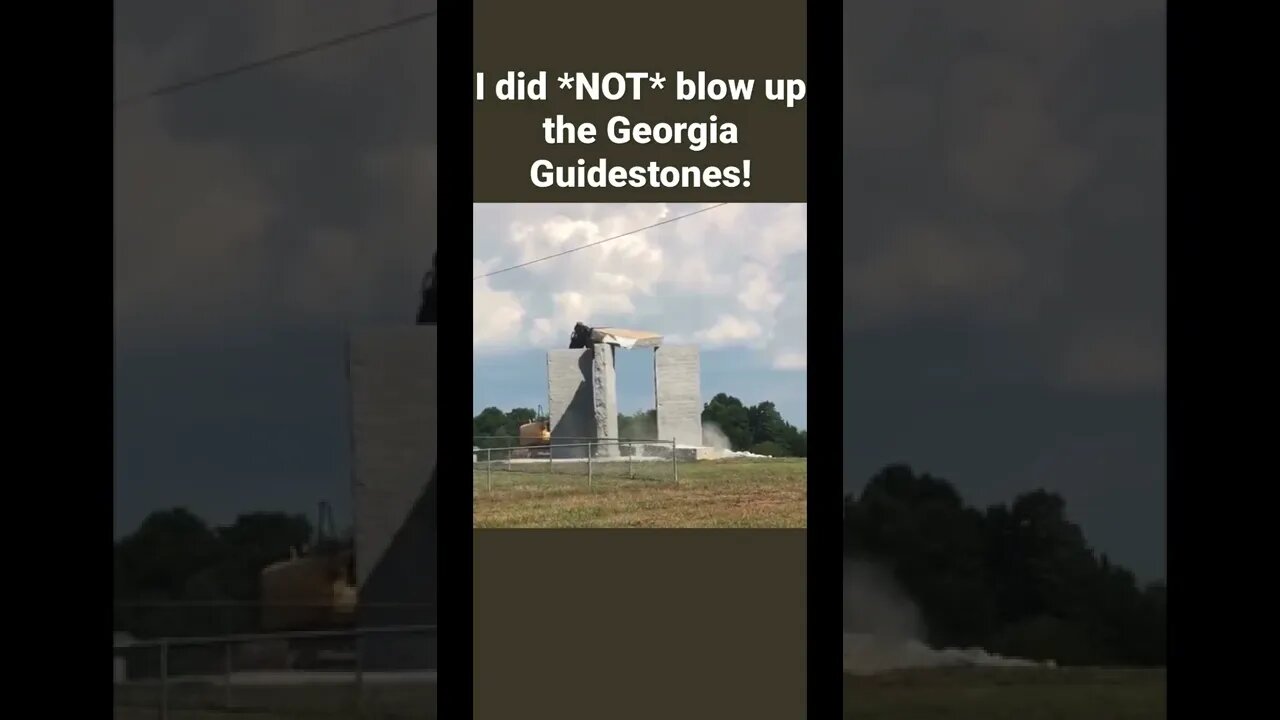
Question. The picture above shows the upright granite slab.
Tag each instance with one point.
(392, 377)
(570, 402)
(604, 380)
(676, 376)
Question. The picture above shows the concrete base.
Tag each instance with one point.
(649, 453)
(702, 453)
(692, 454)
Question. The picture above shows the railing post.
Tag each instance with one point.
(488, 466)
(631, 451)
(226, 667)
(675, 466)
(590, 452)
(164, 679)
(360, 669)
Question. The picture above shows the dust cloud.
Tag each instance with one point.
(884, 630)
(714, 437)
(875, 605)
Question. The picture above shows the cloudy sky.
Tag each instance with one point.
(258, 218)
(1004, 214)
(730, 279)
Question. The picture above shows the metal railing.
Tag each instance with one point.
(160, 618)
(320, 672)
(594, 459)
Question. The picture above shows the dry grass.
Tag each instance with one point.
(1007, 694)
(209, 701)
(721, 493)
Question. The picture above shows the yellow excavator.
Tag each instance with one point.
(535, 437)
(315, 589)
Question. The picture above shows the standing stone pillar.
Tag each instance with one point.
(676, 371)
(392, 377)
(604, 383)
(570, 405)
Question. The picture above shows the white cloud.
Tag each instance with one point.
(220, 226)
(189, 217)
(730, 330)
(497, 317)
(791, 361)
(988, 189)
(1105, 362)
(926, 270)
(732, 276)
(758, 293)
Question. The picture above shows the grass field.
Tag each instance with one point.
(209, 701)
(137, 713)
(140, 713)
(940, 694)
(1007, 694)
(709, 493)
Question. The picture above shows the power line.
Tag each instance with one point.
(600, 242)
(287, 55)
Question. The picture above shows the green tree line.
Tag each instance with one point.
(1018, 578)
(756, 428)
(178, 575)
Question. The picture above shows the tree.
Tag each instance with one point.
(518, 417)
(767, 426)
(800, 443)
(920, 524)
(165, 552)
(765, 423)
(174, 559)
(256, 540)
(728, 414)
(493, 428)
(160, 562)
(489, 429)
(759, 428)
(642, 425)
(1018, 578)
(490, 421)
(771, 448)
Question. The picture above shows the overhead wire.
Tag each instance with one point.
(350, 37)
(273, 59)
(599, 242)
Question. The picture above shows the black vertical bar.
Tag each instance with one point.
(825, 367)
(454, 228)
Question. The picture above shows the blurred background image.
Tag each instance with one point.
(1004, 305)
